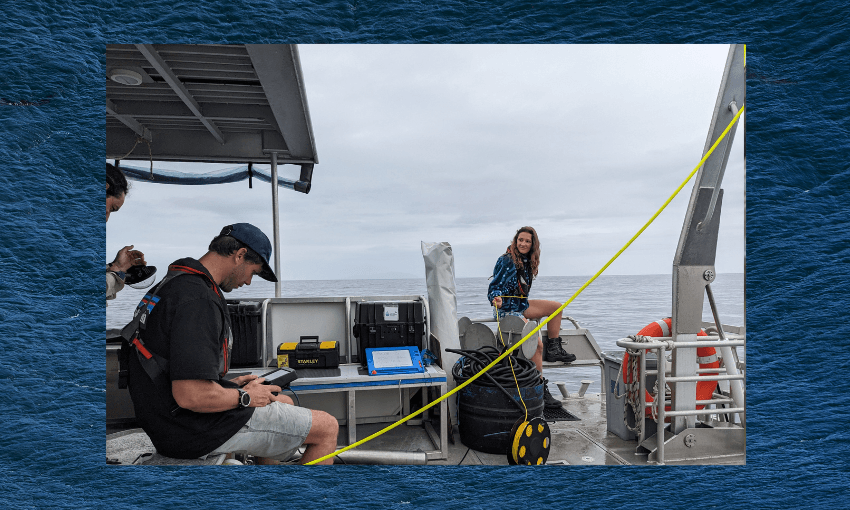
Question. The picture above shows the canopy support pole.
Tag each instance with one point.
(275, 225)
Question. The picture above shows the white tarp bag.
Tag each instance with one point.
(442, 302)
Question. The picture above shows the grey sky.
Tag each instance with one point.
(465, 144)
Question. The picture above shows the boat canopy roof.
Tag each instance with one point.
(208, 104)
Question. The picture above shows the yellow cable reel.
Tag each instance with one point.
(530, 442)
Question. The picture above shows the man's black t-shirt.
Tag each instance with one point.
(185, 327)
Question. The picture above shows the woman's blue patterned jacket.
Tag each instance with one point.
(504, 283)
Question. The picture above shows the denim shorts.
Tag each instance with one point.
(275, 431)
(521, 315)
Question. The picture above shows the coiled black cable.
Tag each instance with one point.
(473, 361)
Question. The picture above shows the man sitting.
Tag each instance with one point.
(182, 400)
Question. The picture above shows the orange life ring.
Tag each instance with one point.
(706, 357)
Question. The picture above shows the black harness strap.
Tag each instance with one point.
(154, 365)
(523, 275)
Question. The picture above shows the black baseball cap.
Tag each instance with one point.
(255, 239)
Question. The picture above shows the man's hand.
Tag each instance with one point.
(497, 301)
(203, 396)
(261, 394)
(242, 380)
(126, 258)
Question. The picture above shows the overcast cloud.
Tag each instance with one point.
(465, 144)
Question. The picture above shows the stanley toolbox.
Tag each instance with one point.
(399, 324)
(308, 353)
(245, 318)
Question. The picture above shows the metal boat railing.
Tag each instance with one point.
(585, 348)
(709, 374)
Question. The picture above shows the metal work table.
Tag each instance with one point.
(352, 379)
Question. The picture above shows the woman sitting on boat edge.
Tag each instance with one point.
(508, 292)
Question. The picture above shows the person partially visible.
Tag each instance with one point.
(508, 292)
(116, 271)
(182, 401)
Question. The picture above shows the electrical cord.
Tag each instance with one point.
(511, 371)
(464, 457)
(505, 346)
(473, 361)
(297, 400)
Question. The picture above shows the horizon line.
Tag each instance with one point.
(468, 277)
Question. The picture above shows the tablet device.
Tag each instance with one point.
(280, 377)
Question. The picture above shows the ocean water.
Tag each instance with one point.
(52, 313)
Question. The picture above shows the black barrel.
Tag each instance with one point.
(486, 415)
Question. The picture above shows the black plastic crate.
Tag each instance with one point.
(245, 319)
(378, 324)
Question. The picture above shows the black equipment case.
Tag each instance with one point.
(247, 339)
(378, 324)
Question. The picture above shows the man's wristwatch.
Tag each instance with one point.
(244, 399)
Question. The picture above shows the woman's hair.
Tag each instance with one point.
(118, 184)
(533, 254)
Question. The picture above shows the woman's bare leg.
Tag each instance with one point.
(540, 308)
(537, 359)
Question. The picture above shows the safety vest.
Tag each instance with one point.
(153, 364)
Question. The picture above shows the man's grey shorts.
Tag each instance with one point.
(275, 431)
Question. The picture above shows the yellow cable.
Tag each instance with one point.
(556, 312)
(499, 329)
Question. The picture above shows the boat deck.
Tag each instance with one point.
(585, 442)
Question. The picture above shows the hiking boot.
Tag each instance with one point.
(552, 351)
(549, 402)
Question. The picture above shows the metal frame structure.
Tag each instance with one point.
(284, 319)
(579, 341)
(241, 103)
(347, 303)
(693, 265)
(696, 442)
(693, 272)
(351, 382)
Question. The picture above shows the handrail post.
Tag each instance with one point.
(730, 360)
(662, 384)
